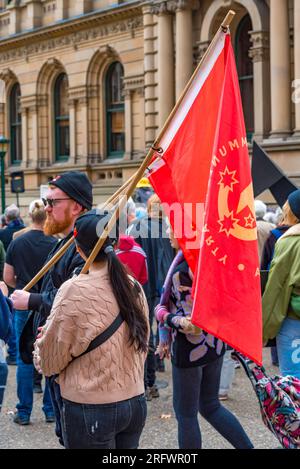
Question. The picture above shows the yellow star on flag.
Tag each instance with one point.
(249, 221)
(228, 178)
(228, 223)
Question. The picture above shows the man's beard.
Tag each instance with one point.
(53, 227)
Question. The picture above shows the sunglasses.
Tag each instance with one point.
(53, 202)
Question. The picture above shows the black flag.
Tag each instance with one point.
(267, 175)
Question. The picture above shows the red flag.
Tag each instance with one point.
(180, 178)
(227, 298)
(205, 161)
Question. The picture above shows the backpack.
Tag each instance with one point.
(279, 399)
(6, 317)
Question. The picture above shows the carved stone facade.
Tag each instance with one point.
(159, 44)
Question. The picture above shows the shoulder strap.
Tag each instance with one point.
(104, 336)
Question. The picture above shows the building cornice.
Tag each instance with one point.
(110, 20)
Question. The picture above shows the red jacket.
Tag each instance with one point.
(133, 256)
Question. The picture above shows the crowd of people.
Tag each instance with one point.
(99, 338)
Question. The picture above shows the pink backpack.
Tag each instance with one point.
(279, 399)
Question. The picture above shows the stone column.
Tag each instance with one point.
(184, 45)
(165, 64)
(85, 128)
(61, 11)
(73, 130)
(35, 135)
(280, 69)
(14, 18)
(297, 67)
(2, 119)
(260, 55)
(149, 68)
(34, 13)
(25, 155)
(83, 6)
(128, 124)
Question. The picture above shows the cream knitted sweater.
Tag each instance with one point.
(84, 307)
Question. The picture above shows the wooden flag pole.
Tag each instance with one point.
(121, 204)
(61, 252)
(49, 264)
(227, 20)
(129, 186)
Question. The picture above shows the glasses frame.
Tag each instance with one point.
(52, 202)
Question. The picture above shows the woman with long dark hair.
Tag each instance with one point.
(103, 390)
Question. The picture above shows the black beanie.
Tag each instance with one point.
(77, 186)
(89, 227)
(294, 203)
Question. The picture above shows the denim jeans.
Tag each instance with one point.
(150, 363)
(196, 390)
(227, 373)
(288, 347)
(3, 373)
(104, 426)
(12, 342)
(274, 355)
(57, 403)
(25, 376)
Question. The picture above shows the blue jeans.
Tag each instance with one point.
(3, 374)
(288, 347)
(104, 426)
(274, 355)
(227, 373)
(25, 376)
(12, 341)
(57, 406)
(150, 363)
(196, 390)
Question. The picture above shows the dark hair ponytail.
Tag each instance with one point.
(127, 294)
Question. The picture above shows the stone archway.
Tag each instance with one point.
(257, 10)
(98, 65)
(259, 52)
(44, 92)
(8, 80)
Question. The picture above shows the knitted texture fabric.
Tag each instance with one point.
(83, 308)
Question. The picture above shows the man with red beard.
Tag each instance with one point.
(69, 195)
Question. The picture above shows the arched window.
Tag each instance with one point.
(115, 122)
(15, 125)
(61, 117)
(245, 72)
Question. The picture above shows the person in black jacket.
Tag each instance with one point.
(69, 195)
(151, 233)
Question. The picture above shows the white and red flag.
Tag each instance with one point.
(204, 181)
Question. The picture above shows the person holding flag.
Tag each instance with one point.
(203, 167)
(68, 196)
(197, 359)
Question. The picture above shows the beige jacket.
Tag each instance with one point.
(84, 307)
(263, 232)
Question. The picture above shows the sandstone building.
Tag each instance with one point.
(87, 84)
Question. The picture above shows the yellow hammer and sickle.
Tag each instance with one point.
(246, 200)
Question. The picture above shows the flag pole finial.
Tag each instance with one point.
(227, 20)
